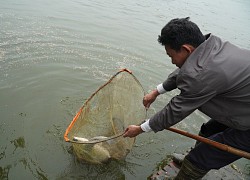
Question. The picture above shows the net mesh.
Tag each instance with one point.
(108, 111)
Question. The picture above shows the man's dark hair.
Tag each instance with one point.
(180, 31)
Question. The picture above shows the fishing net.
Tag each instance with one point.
(96, 130)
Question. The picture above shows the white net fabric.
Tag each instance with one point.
(114, 106)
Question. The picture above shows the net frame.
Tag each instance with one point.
(67, 139)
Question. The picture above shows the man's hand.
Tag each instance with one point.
(132, 131)
(150, 98)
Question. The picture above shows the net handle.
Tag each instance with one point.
(210, 142)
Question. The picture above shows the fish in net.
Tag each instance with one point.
(96, 130)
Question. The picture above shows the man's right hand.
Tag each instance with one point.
(150, 98)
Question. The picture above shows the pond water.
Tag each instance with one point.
(55, 54)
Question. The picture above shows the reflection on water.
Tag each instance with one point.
(18, 143)
(114, 171)
(21, 160)
(4, 171)
(55, 54)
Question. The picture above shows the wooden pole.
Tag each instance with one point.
(212, 143)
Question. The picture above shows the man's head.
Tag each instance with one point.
(180, 37)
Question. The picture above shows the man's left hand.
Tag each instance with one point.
(132, 131)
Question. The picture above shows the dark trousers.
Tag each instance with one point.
(207, 157)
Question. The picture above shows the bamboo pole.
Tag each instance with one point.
(212, 143)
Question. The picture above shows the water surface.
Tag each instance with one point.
(55, 54)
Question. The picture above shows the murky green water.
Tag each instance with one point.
(54, 54)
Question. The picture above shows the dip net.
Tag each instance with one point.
(96, 130)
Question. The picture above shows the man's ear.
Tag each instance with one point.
(187, 47)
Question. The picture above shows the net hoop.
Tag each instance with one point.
(80, 110)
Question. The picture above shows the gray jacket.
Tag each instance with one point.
(214, 79)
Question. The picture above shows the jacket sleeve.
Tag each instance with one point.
(194, 92)
(170, 83)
